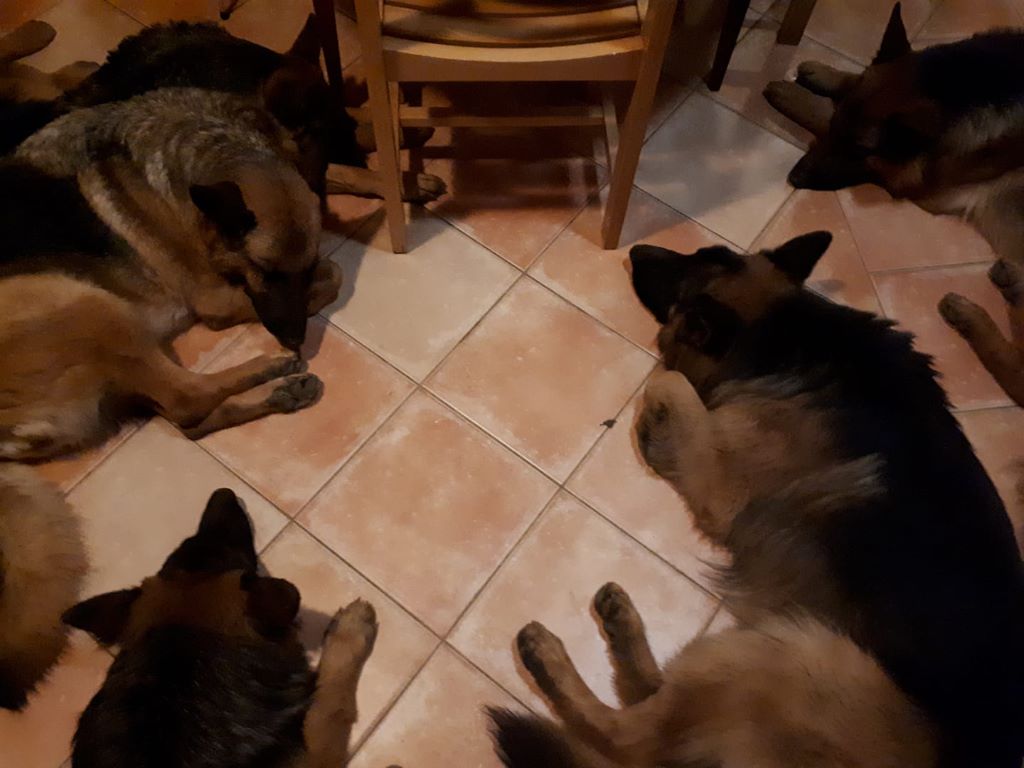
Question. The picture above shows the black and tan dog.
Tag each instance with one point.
(290, 86)
(42, 563)
(785, 693)
(814, 443)
(210, 673)
(175, 207)
(943, 127)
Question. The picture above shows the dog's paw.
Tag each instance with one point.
(351, 635)
(422, 187)
(542, 653)
(785, 95)
(1009, 279)
(818, 78)
(285, 365)
(619, 617)
(959, 312)
(295, 393)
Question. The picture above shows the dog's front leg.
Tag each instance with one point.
(361, 182)
(678, 439)
(348, 643)
(809, 111)
(223, 306)
(637, 676)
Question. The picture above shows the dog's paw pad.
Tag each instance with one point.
(296, 392)
(616, 611)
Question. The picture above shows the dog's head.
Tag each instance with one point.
(261, 228)
(882, 123)
(298, 97)
(209, 582)
(704, 300)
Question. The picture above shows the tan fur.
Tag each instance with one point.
(753, 440)
(786, 693)
(42, 564)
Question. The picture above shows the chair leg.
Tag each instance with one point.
(735, 12)
(385, 130)
(794, 22)
(657, 28)
(327, 29)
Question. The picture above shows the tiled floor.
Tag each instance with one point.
(471, 466)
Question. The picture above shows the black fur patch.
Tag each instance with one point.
(527, 741)
(188, 698)
(982, 71)
(931, 566)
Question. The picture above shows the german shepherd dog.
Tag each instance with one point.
(210, 672)
(786, 693)
(42, 563)
(814, 443)
(943, 127)
(176, 206)
(290, 86)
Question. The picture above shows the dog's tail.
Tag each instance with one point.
(42, 564)
(527, 741)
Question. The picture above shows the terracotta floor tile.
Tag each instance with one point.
(40, 735)
(514, 207)
(67, 472)
(86, 30)
(855, 27)
(327, 584)
(578, 268)
(717, 167)
(896, 234)
(199, 346)
(552, 578)
(16, 12)
(288, 457)
(758, 60)
(157, 11)
(957, 19)
(140, 503)
(276, 24)
(721, 621)
(912, 299)
(345, 215)
(996, 436)
(541, 376)
(439, 721)
(427, 509)
(841, 274)
(413, 308)
(615, 480)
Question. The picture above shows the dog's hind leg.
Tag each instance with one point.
(637, 675)
(1000, 357)
(416, 187)
(679, 440)
(348, 643)
(284, 395)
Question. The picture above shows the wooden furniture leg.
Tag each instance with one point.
(735, 13)
(384, 129)
(327, 29)
(794, 22)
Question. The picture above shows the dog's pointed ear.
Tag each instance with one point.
(656, 273)
(272, 604)
(105, 616)
(797, 257)
(222, 203)
(307, 44)
(225, 523)
(894, 42)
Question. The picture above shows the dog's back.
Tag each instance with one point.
(927, 570)
(182, 696)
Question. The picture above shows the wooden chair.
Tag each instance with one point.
(790, 33)
(433, 41)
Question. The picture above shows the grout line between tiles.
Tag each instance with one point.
(932, 267)
(121, 11)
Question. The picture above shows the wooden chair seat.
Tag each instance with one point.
(488, 25)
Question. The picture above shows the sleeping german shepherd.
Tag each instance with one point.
(210, 673)
(943, 127)
(814, 443)
(290, 86)
(123, 225)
